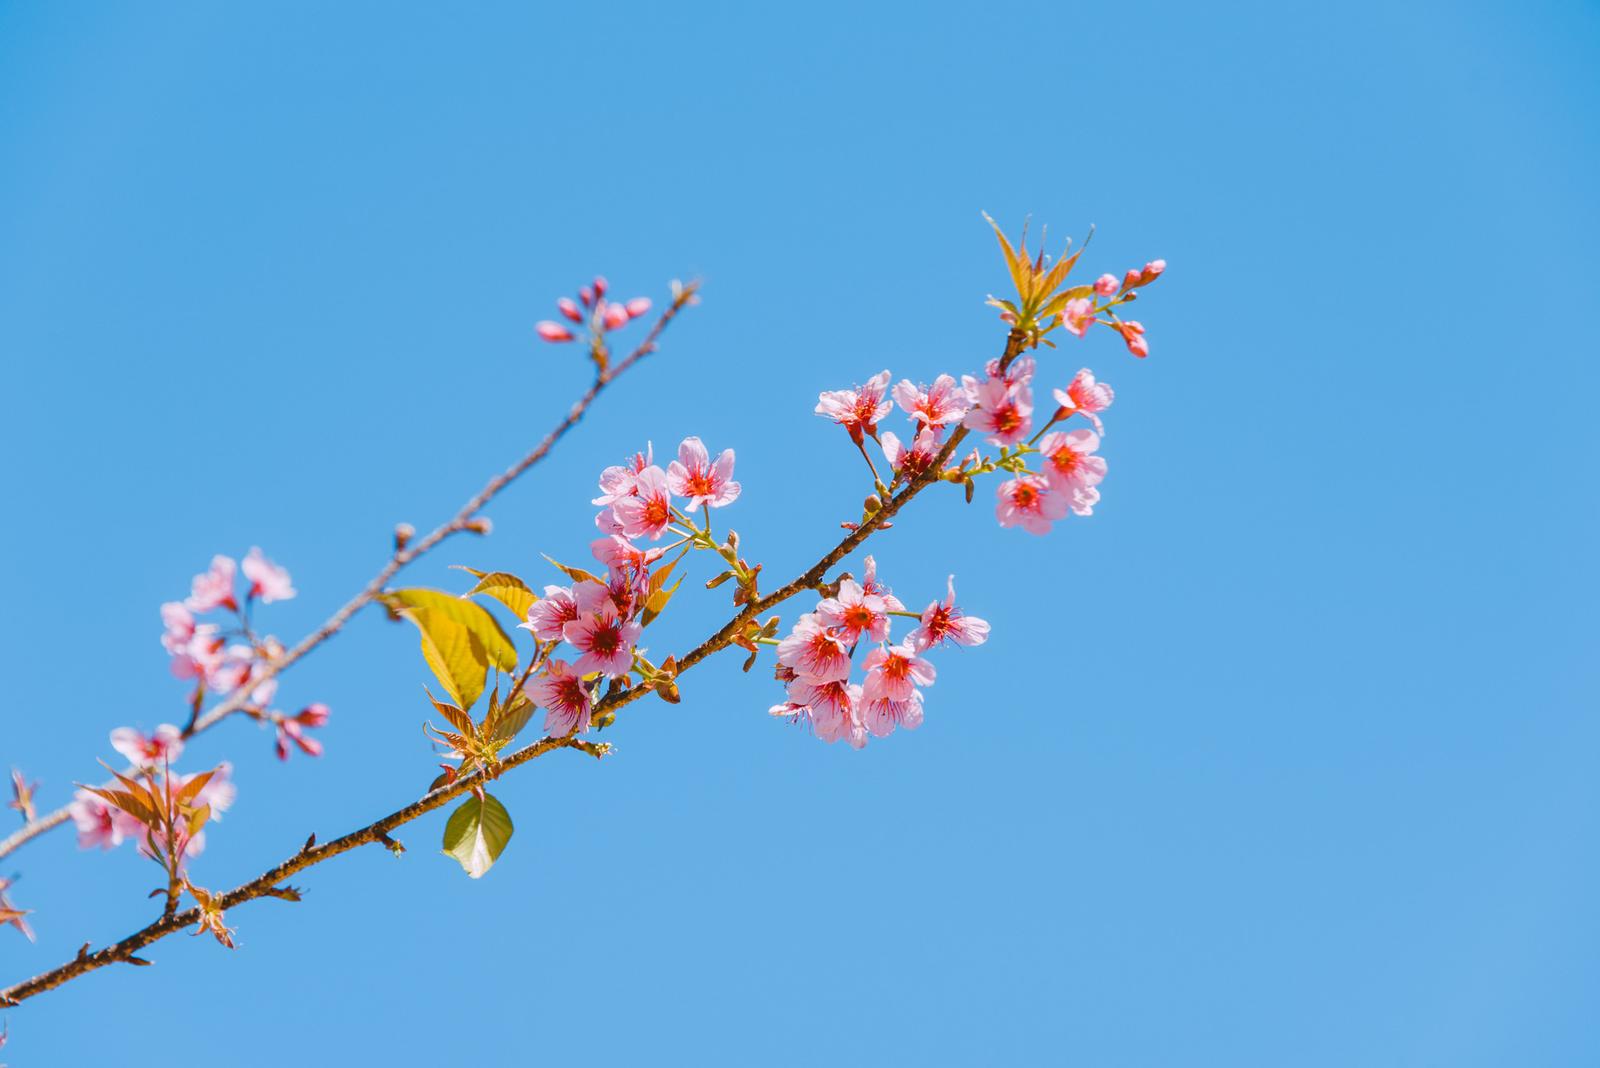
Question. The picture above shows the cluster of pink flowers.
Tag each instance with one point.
(591, 305)
(105, 826)
(223, 657)
(599, 618)
(1081, 313)
(815, 660)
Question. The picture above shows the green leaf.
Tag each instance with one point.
(476, 834)
(506, 588)
(460, 639)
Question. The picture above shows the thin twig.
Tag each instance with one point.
(402, 556)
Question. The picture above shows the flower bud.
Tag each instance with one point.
(480, 525)
(1106, 285)
(403, 533)
(569, 308)
(637, 307)
(553, 331)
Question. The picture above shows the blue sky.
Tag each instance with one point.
(1284, 757)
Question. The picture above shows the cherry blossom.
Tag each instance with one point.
(813, 651)
(648, 513)
(268, 581)
(99, 824)
(834, 708)
(179, 624)
(881, 715)
(854, 613)
(939, 405)
(694, 476)
(944, 621)
(213, 588)
(858, 410)
(1106, 285)
(618, 481)
(870, 584)
(605, 640)
(292, 730)
(548, 616)
(1029, 502)
(1070, 467)
(162, 746)
(915, 460)
(1078, 316)
(1085, 396)
(1001, 410)
(896, 671)
(564, 696)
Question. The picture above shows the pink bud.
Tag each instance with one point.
(569, 307)
(553, 331)
(638, 306)
(615, 315)
(1105, 285)
(1153, 269)
(587, 296)
(314, 715)
(1130, 280)
(600, 285)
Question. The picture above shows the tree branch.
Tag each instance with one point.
(266, 884)
(403, 554)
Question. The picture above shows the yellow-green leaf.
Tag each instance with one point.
(506, 588)
(476, 834)
(460, 640)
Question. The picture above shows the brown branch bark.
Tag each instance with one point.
(266, 884)
(402, 556)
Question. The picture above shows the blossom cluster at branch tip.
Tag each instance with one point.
(103, 825)
(228, 656)
(816, 660)
(592, 307)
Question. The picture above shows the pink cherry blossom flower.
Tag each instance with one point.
(895, 672)
(552, 331)
(881, 715)
(1029, 502)
(870, 584)
(1106, 285)
(213, 588)
(201, 657)
(649, 512)
(694, 476)
(292, 729)
(858, 410)
(1070, 467)
(813, 651)
(618, 551)
(548, 616)
(1132, 332)
(1017, 373)
(604, 639)
(915, 460)
(1078, 316)
(834, 708)
(162, 746)
(618, 482)
(1085, 396)
(96, 822)
(855, 612)
(939, 405)
(944, 621)
(179, 624)
(238, 667)
(1004, 412)
(564, 696)
(268, 581)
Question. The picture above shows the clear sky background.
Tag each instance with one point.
(1286, 756)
